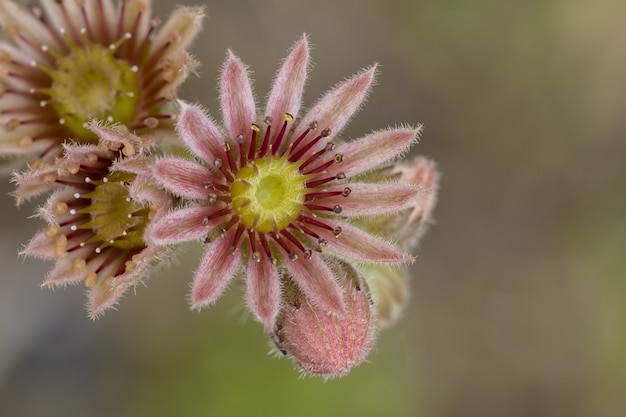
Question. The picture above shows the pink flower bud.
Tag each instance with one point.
(323, 343)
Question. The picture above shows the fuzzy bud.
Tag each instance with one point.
(389, 287)
(322, 343)
(423, 173)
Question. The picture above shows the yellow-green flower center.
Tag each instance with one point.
(90, 82)
(116, 219)
(268, 194)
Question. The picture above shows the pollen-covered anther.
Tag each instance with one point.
(337, 231)
(256, 256)
(52, 230)
(60, 208)
(130, 266)
(25, 142)
(72, 168)
(49, 179)
(338, 158)
(91, 280)
(61, 246)
(325, 133)
(12, 125)
(212, 198)
(79, 265)
(346, 191)
(128, 149)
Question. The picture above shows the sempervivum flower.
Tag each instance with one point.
(70, 61)
(319, 342)
(97, 216)
(269, 194)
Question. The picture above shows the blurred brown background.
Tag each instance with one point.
(518, 303)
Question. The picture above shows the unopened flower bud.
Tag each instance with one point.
(389, 287)
(421, 172)
(323, 343)
(389, 284)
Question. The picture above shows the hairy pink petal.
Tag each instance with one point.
(355, 244)
(184, 178)
(199, 133)
(372, 150)
(238, 106)
(146, 191)
(179, 30)
(119, 134)
(31, 183)
(263, 291)
(216, 270)
(180, 226)
(373, 199)
(286, 94)
(316, 280)
(63, 273)
(137, 166)
(337, 106)
(41, 246)
(103, 296)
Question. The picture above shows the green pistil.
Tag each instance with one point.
(91, 83)
(268, 194)
(116, 219)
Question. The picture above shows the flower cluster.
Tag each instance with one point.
(71, 61)
(96, 218)
(70, 67)
(319, 228)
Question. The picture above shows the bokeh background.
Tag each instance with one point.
(519, 291)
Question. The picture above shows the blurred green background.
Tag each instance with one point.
(518, 303)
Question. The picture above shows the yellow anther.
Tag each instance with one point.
(49, 179)
(12, 124)
(130, 266)
(13, 30)
(35, 162)
(4, 56)
(60, 208)
(129, 149)
(61, 246)
(91, 280)
(52, 230)
(25, 142)
(79, 265)
(73, 167)
(288, 117)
